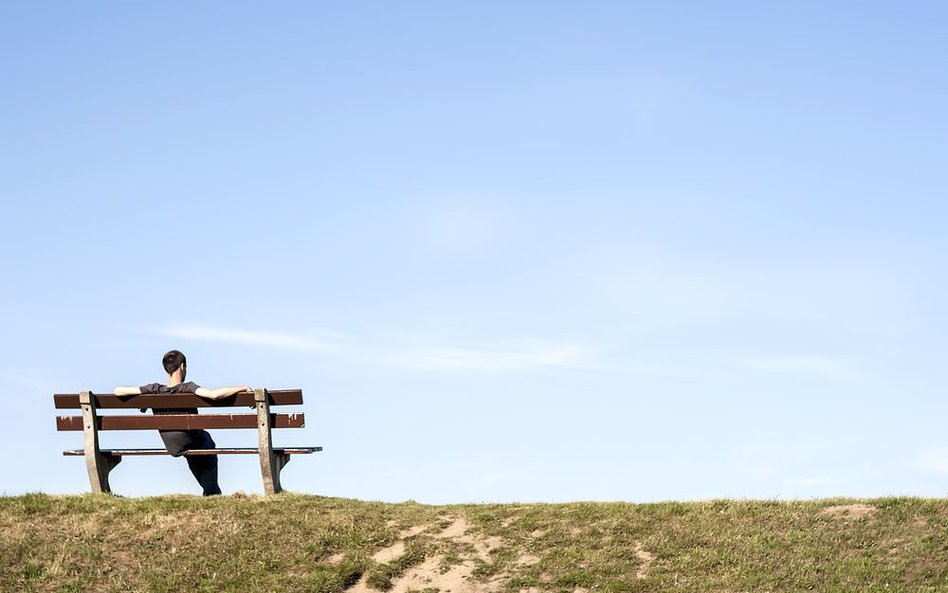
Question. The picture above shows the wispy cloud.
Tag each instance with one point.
(519, 355)
(511, 355)
(287, 341)
(502, 355)
(821, 365)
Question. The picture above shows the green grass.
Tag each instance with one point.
(324, 545)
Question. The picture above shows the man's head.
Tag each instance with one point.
(173, 360)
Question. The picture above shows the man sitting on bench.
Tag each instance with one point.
(204, 467)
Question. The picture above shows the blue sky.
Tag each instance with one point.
(534, 251)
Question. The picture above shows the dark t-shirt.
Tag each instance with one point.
(178, 441)
(156, 388)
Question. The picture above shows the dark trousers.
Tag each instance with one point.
(204, 467)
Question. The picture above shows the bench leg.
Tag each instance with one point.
(270, 463)
(270, 466)
(98, 466)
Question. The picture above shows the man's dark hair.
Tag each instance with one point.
(172, 360)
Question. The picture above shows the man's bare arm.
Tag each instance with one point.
(127, 390)
(221, 392)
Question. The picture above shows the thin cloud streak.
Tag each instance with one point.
(521, 355)
(283, 341)
(800, 364)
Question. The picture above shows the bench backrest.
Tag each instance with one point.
(167, 401)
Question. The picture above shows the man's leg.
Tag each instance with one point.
(204, 467)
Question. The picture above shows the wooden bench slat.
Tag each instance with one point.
(181, 421)
(163, 401)
(221, 451)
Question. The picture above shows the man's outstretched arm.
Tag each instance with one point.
(221, 392)
(127, 390)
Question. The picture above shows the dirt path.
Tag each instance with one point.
(434, 573)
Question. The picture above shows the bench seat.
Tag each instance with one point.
(221, 451)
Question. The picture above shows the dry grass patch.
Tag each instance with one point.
(324, 545)
(854, 511)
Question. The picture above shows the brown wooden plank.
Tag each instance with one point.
(221, 451)
(278, 397)
(180, 421)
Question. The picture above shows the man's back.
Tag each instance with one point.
(156, 388)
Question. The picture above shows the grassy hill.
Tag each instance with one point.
(324, 545)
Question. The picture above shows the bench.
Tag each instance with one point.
(99, 462)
